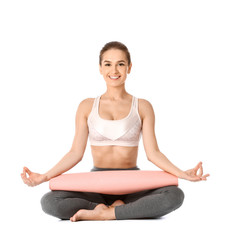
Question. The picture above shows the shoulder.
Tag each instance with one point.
(86, 102)
(85, 106)
(145, 108)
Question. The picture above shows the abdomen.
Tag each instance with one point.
(114, 156)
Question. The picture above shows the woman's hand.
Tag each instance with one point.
(33, 179)
(193, 175)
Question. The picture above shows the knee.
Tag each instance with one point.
(172, 199)
(46, 202)
(175, 197)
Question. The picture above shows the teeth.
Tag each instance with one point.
(114, 77)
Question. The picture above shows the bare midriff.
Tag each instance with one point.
(114, 156)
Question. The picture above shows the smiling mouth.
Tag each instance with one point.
(114, 77)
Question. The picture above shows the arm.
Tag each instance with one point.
(73, 157)
(152, 150)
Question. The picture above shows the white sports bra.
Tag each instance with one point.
(122, 132)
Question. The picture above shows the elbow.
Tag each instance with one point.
(153, 155)
(79, 159)
(77, 155)
(150, 159)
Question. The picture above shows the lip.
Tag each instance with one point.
(114, 78)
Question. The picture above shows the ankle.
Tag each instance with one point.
(109, 213)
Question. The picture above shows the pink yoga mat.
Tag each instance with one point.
(113, 182)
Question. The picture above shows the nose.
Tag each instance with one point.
(114, 69)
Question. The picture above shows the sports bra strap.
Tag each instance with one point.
(95, 104)
(135, 103)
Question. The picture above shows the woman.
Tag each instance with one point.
(114, 123)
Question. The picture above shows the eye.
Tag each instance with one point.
(121, 64)
(107, 64)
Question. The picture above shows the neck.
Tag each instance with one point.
(115, 93)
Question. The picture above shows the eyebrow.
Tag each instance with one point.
(117, 61)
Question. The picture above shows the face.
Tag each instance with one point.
(114, 67)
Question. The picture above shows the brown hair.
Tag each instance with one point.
(114, 45)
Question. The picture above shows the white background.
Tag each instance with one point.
(49, 63)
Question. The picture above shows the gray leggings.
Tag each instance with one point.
(152, 203)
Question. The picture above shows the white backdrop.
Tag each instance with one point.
(49, 63)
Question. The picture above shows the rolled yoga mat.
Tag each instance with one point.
(113, 182)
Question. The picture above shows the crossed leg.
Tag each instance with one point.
(64, 204)
(93, 206)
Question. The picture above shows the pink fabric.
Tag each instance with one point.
(113, 182)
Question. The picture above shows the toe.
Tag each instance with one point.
(74, 218)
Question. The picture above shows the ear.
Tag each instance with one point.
(129, 68)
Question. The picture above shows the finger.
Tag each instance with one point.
(200, 171)
(22, 176)
(27, 170)
(194, 178)
(29, 183)
(197, 166)
(26, 180)
(205, 176)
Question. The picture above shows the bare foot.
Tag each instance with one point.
(117, 203)
(100, 212)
